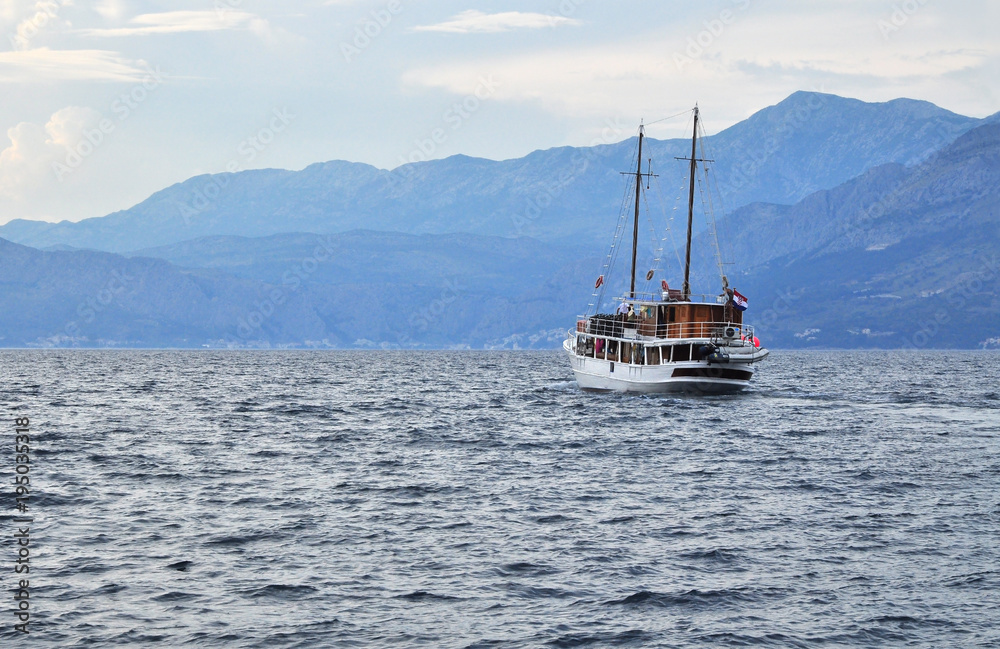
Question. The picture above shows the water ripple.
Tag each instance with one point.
(471, 499)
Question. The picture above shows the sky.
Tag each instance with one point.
(106, 102)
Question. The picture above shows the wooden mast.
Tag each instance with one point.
(694, 169)
(635, 226)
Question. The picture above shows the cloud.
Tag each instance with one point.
(892, 67)
(26, 165)
(473, 21)
(43, 64)
(174, 22)
(765, 56)
(113, 10)
(45, 13)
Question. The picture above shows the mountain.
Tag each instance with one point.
(87, 298)
(898, 257)
(357, 289)
(364, 256)
(780, 154)
(905, 253)
(390, 289)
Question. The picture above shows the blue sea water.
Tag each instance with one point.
(479, 499)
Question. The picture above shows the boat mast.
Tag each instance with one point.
(635, 226)
(694, 169)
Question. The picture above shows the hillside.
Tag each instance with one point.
(359, 289)
(898, 256)
(901, 255)
(781, 154)
(85, 298)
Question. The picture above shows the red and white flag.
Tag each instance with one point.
(739, 301)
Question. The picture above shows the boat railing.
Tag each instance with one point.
(673, 295)
(728, 333)
(633, 347)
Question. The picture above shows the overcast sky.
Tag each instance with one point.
(108, 101)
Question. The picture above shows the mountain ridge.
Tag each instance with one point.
(357, 289)
(924, 241)
(896, 256)
(780, 154)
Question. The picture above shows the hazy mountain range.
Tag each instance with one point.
(899, 256)
(854, 224)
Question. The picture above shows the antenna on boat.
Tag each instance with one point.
(694, 169)
(638, 189)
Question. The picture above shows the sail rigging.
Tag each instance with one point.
(667, 339)
(638, 199)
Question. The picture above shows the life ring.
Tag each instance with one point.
(600, 280)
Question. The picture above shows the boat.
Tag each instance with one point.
(665, 339)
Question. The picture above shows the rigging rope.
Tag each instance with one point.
(663, 119)
(709, 208)
(705, 181)
(612, 257)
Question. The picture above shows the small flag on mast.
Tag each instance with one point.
(739, 301)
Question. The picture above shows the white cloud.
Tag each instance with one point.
(113, 10)
(173, 22)
(847, 45)
(476, 21)
(558, 86)
(897, 66)
(765, 56)
(43, 64)
(42, 15)
(26, 165)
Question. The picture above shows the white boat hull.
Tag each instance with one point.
(609, 376)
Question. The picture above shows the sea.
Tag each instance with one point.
(480, 499)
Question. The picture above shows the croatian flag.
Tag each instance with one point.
(739, 301)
